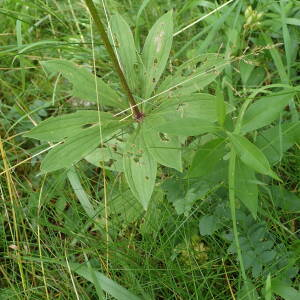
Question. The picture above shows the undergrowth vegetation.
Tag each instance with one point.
(150, 149)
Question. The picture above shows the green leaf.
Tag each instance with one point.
(285, 200)
(207, 158)
(268, 288)
(56, 128)
(138, 22)
(184, 197)
(84, 83)
(185, 126)
(246, 187)
(108, 285)
(106, 158)
(208, 225)
(248, 291)
(277, 58)
(251, 156)
(200, 106)
(164, 148)
(245, 70)
(221, 107)
(293, 21)
(76, 147)
(123, 208)
(156, 52)
(265, 111)
(82, 196)
(203, 69)
(284, 290)
(276, 140)
(126, 49)
(110, 156)
(140, 168)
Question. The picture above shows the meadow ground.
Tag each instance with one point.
(80, 233)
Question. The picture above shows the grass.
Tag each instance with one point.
(158, 254)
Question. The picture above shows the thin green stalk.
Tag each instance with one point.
(231, 187)
(99, 25)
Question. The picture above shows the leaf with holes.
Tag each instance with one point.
(181, 126)
(251, 156)
(164, 148)
(201, 106)
(140, 168)
(106, 158)
(125, 48)
(57, 128)
(156, 52)
(194, 75)
(77, 147)
(84, 83)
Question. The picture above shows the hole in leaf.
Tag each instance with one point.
(135, 67)
(110, 162)
(87, 126)
(181, 107)
(147, 178)
(164, 137)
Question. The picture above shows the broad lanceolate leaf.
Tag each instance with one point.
(164, 148)
(108, 285)
(110, 156)
(184, 126)
(207, 158)
(126, 49)
(276, 140)
(56, 128)
(246, 187)
(251, 156)
(156, 52)
(140, 168)
(284, 289)
(185, 116)
(194, 75)
(201, 106)
(106, 158)
(266, 110)
(77, 146)
(123, 208)
(84, 83)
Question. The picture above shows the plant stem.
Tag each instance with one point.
(231, 187)
(99, 25)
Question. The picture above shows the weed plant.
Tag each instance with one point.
(150, 149)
